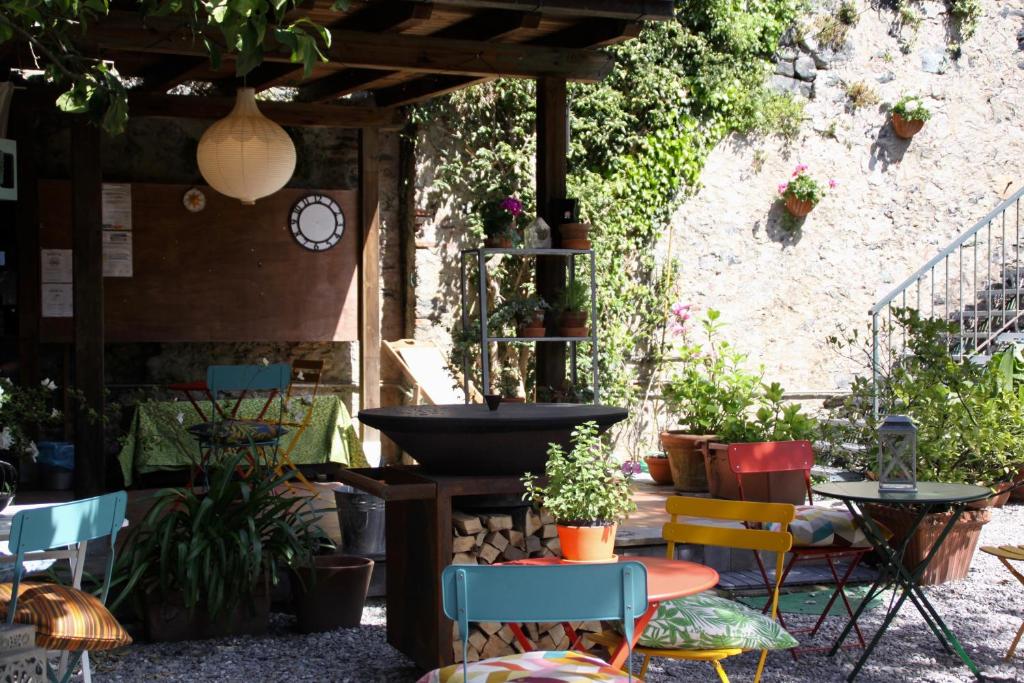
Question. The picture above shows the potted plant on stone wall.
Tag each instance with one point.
(964, 434)
(572, 318)
(501, 222)
(708, 384)
(909, 115)
(587, 491)
(801, 193)
(200, 563)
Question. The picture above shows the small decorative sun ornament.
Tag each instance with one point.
(194, 200)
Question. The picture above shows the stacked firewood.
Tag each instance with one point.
(489, 538)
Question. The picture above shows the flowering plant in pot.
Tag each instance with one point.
(909, 115)
(24, 410)
(501, 221)
(572, 319)
(587, 491)
(708, 385)
(801, 193)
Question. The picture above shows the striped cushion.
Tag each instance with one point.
(65, 618)
(531, 666)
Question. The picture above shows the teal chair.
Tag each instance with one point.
(65, 618)
(553, 593)
(229, 432)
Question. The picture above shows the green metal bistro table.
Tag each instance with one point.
(929, 497)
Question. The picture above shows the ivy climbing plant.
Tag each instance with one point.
(639, 141)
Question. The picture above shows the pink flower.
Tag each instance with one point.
(832, 183)
(783, 187)
(679, 308)
(512, 205)
(800, 168)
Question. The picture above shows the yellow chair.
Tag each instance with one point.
(305, 377)
(1005, 553)
(693, 532)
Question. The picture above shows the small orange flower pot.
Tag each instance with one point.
(587, 543)
(659, 469)
(797, 207)
(905, 128)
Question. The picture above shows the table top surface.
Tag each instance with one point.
(666, 579)
(518, 415)
(927, 493)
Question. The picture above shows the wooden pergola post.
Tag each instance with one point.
(87, 260)
(369, 274)
(552, 160)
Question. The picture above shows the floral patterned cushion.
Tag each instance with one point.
(530, 666)
(708, 622)
(235, 432)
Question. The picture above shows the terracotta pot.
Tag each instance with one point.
(905, 128)
(999, 498)
(513, 399)
(575, 235)
(587, 543)
(534, 327)
(953, 559)
(498, 242)
(686, 460)
(573, 324)
(777, 487)
(659, 469)
(334, 597)
(798, 208)
(1018, 493)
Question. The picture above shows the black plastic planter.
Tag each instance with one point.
(334, 597)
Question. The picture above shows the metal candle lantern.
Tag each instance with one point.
(897, 454)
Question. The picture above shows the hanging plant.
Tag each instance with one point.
(802, 193)
(909, 115)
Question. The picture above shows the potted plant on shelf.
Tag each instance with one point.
(659, 468)
(802, 192)
(909, 115)
(200, 563)
(587, 491)
(708, 385)
(964, 436)
(510, 386)
(572, 320)
(575, 235)
(529, 314)
(501, 222)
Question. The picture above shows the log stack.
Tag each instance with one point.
(493, 537)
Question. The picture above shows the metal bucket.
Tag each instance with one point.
(361, 518)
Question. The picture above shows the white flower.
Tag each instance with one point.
(264, 362)
(54, 414)
(6, 438)
(299, 376)
(32, 451)
(180, 417)
(48, 384)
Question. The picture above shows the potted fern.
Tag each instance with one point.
(572, 321)
(587, 491)
(909, 115)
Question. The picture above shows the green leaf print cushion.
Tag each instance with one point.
(708, 622)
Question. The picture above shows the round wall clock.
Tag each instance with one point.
(317, 222)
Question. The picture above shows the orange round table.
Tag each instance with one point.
(666, 580)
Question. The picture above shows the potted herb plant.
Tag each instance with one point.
(587, 491)
(964, 435)
(200, 563)
(501, 222)
(575, 235)
(572, 320)
(909, 115)
(802, 192)
(708, 385)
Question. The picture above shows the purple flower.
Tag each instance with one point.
(631, 467)
(783, 187)
(832, 183)
(512, 205)
(679, 309)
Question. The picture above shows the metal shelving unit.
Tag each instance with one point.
(480, 256)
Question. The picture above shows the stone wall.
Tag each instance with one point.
(784, 287)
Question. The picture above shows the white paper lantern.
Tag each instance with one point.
(246, 155)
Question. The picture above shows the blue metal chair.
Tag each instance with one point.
(226, 432)
(60, 526)
(524, 593)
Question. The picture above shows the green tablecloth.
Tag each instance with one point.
(158, 438)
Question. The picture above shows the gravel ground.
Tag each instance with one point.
(984, 611)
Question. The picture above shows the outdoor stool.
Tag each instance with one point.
(1005, 553)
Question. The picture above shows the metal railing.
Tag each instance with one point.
(974, 282)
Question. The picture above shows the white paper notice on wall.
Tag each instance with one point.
(117, 253)
(117, 206)
(56, 265)
(57, 301)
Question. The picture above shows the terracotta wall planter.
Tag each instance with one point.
(953, 559)
(797, 207)
(334, 597)
(906, 128)
(587, 543)
(779, 487)
(686, 460)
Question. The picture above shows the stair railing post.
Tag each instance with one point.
(875, 355)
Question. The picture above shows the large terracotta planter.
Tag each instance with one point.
(905, 128)
(777, 487)
(575, 235)
(953, 559)
(587, 543)
(686, 460)
(659, 469)
(334, 597)
(798, 208)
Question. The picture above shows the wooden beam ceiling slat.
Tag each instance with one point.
(634, 10)
(169, 72)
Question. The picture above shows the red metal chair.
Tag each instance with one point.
(797, 456)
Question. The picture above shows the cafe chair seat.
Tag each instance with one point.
(530, 666)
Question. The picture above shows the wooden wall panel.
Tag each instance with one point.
(228, 273)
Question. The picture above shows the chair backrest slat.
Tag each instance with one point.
(55, 526)
(771, 456)
(734, 510)
(747, 539)
(273, 377)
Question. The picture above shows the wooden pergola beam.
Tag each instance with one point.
(635, 10)
(284, 113)
(169, 72)
(423, 54)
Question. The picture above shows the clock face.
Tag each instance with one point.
(317, 222)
